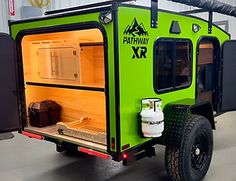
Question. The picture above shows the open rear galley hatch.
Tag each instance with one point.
(66, 69)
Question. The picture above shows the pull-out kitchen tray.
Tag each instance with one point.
(85, 129)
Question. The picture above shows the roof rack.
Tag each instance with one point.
(94, 5)
(210, 5)
(204, 5)
(210, 17)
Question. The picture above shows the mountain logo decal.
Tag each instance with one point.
(137, 38)
(135, 29)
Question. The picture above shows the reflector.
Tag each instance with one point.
(105, 17)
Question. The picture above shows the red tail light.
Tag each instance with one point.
(113, 142)
(124, 156)
(94, 153)
(31, 135)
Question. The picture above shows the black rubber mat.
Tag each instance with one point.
(5, 136)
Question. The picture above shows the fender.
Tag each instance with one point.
(176, 114)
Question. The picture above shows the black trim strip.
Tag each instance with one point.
(117, 79)
(66, 86)
(59, 28)
(93, 5)
(107, 93)
(91, 44)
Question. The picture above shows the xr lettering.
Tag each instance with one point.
(139, 52)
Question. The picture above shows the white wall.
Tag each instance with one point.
(4, 16)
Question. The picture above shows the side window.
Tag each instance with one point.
(183, 63)
(172, 61)
(164, 65)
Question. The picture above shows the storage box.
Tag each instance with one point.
(44, 113)
(54, 110)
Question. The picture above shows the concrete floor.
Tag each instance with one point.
(24, 159)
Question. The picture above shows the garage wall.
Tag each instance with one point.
(4, 16)
(57, 4)
(163, 4)
(223, 19)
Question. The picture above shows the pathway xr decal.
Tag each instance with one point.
(139, 52)
(136, 35)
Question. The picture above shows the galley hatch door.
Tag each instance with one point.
(9, 112)
(228, 86)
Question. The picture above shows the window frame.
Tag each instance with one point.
(155, 67)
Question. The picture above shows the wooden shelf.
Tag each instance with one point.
(92, 44)
(95, 88)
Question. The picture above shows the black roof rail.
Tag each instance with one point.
(94, 5)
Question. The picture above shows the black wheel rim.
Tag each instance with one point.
(200, 151)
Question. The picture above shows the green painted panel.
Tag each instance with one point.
(136, 74)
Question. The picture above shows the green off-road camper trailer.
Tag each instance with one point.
(113, 79)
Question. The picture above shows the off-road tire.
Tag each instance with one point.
(188, 162)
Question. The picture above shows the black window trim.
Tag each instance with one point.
(173, 88)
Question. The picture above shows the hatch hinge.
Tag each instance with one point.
(154, 13)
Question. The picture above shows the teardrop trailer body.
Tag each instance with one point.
(115, 71)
